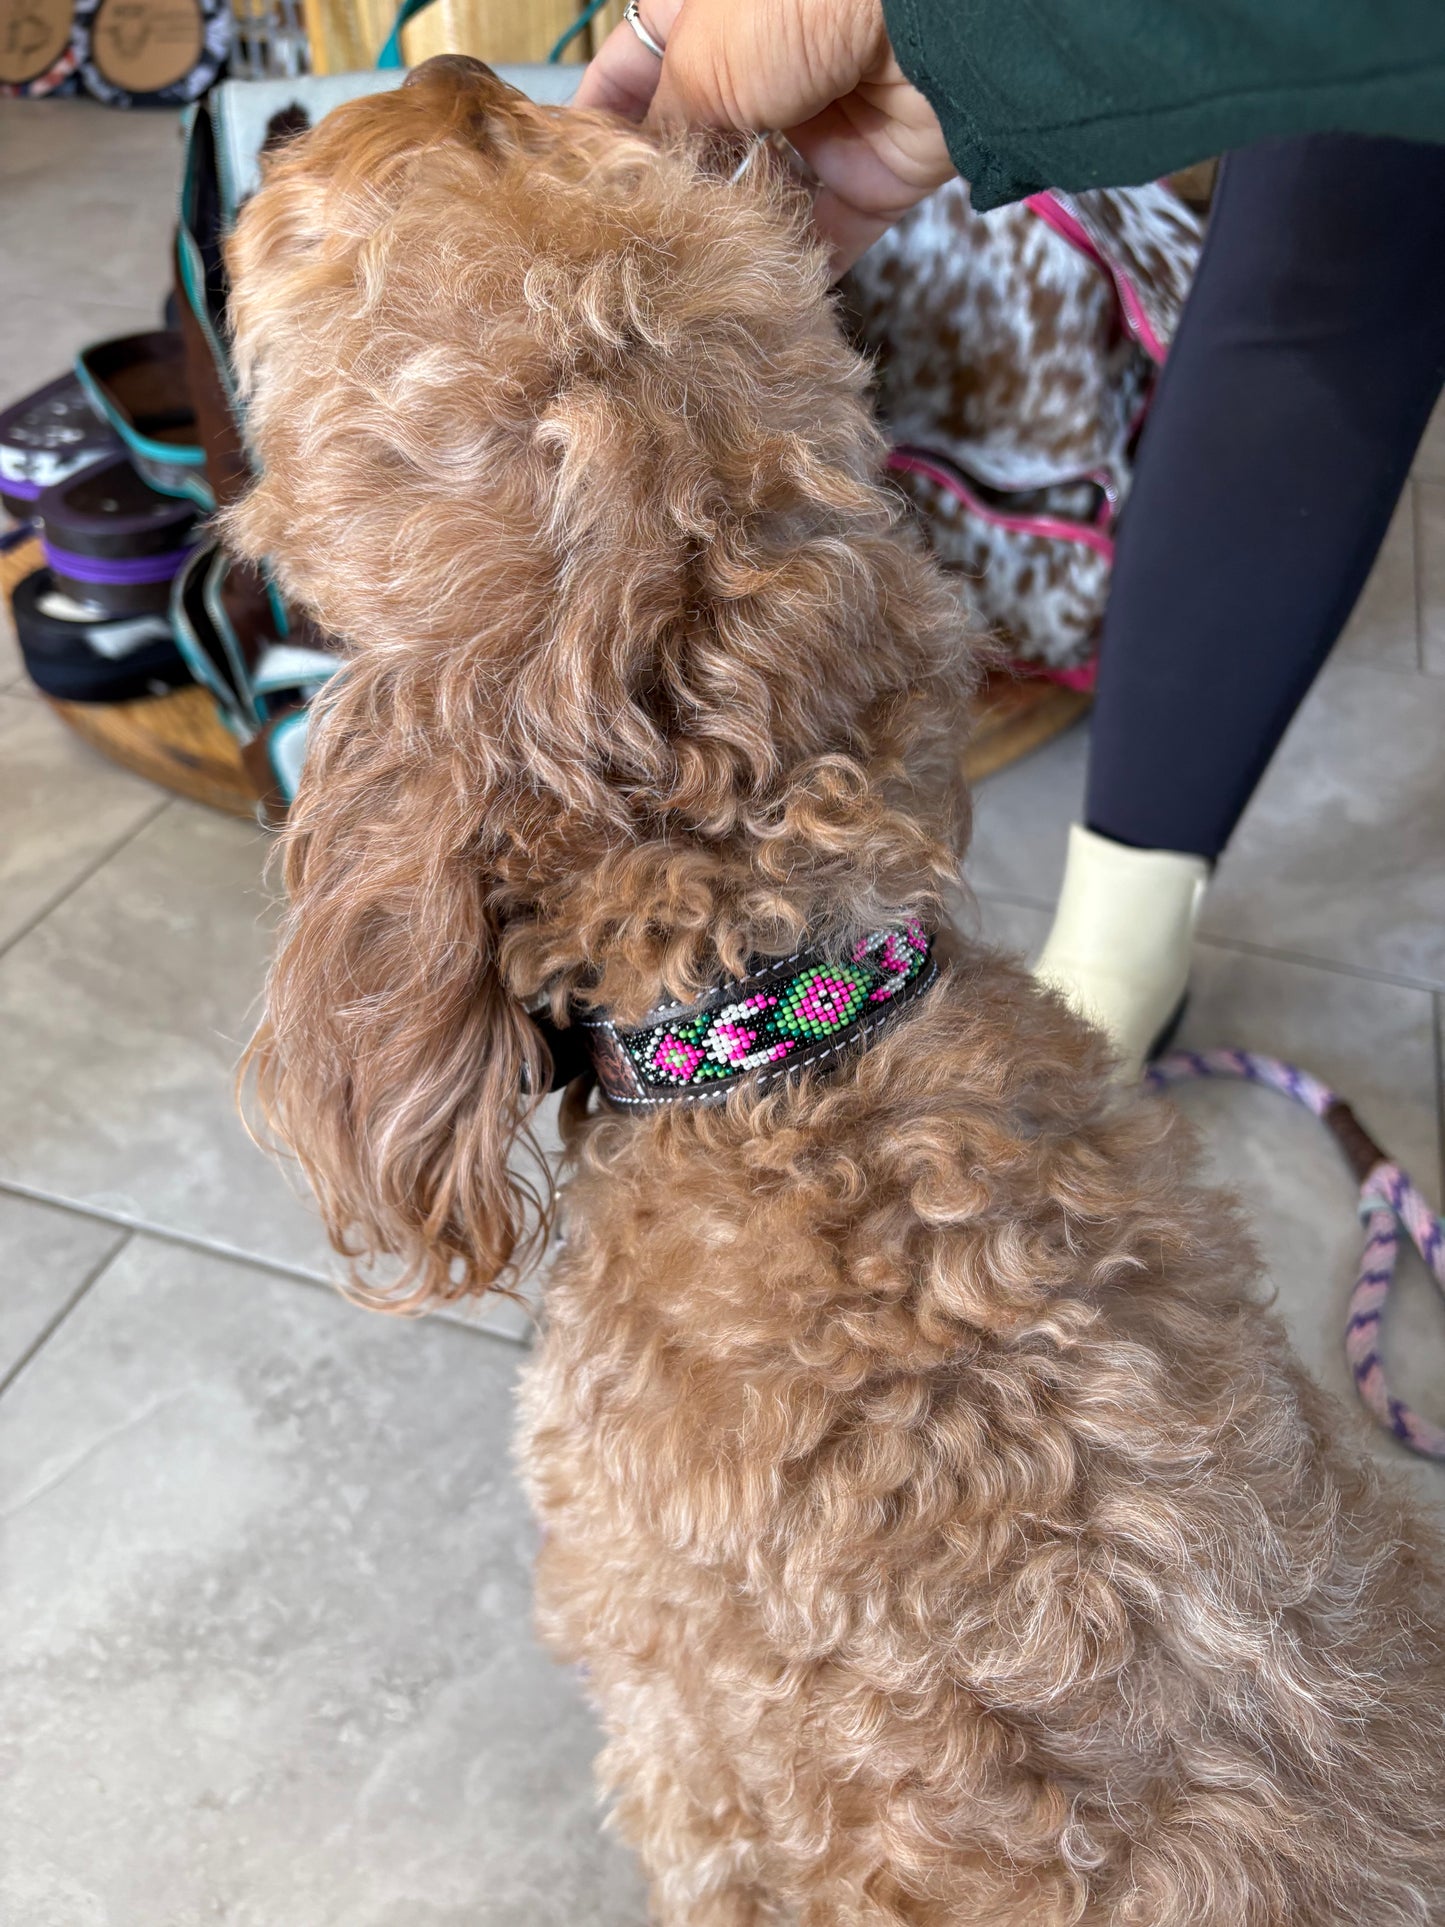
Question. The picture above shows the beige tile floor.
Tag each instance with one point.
(265, 1650)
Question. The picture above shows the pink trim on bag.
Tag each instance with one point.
(916, 461)
(1083, 678)
(1054, 214)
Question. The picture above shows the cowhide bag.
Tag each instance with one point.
(1017, 354)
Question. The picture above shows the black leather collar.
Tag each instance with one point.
(787, 1015)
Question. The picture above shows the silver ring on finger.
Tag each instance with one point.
(634, 20)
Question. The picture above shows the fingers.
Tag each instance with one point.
(744, 64)
(866, 183)
(623, 74)
(822, 71)
(845, 230)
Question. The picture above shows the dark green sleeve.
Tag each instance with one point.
(1096, 93)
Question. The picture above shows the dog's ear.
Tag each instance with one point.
(460, 94)
(461, 71)
(392, 1060)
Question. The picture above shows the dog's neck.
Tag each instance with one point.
(677, 918)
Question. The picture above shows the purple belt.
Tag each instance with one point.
(117, 570)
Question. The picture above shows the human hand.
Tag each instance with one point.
(820, 71)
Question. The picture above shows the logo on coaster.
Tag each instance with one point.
(145, 45)
(33, 35)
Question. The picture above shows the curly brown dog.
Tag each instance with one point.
(947, 1531)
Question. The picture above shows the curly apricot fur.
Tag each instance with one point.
(946, 1528)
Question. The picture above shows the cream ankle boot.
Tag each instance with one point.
(1122, 939)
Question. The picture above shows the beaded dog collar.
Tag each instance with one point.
(796, 1012)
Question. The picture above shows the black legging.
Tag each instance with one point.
(1311, 351)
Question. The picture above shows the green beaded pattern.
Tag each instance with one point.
(820, 1003)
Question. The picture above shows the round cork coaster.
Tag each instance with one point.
(150, 52)
(144, 46)
(34, 40)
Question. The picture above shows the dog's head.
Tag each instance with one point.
(556, 430)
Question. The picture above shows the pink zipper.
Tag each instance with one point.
(1053, 212)
(916, 461)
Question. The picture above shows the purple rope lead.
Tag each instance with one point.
(1389, 1201)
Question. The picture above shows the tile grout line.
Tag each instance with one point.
(1402, 672)
(138, 1227)
(1431, 631)
(1417, 560)
(48, 1331)
(1015, 899)
(164, 1234)
(98, 862)
(1362, 972)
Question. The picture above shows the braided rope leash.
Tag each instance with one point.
(1389, 1204)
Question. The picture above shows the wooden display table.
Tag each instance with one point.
(177, 740)
(1015, 716)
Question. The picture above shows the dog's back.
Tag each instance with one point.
(947, 1532)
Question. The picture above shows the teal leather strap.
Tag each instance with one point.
(390, 55)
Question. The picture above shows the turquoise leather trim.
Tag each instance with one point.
(163, 464)
(166, 479)
(278, 607)
(286, 666)
(197, 659)
(286, 749)
(216, 574)
(193, 280)
(390, 55)
(175, 454)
